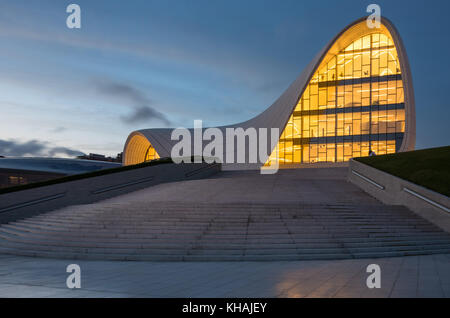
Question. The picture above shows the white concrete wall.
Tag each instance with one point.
(26, 203)
(394, 191)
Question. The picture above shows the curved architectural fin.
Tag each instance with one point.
(355, 97)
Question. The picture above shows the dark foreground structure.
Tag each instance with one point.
(20, 171)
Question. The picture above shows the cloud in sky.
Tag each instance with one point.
(59, 129)
(142, 111)
(35, 148)
(190, 45)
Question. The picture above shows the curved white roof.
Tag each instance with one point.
(277, 115)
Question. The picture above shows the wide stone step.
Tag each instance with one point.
(248, 208)
(213, 258)
(261, 243)
(220, 222)
(11, 233)
(215, 223)
(230, 238)
(39, 241)
(188, 250)
(219, 232)
(230, 227)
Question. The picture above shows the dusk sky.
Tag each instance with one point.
(146, 64)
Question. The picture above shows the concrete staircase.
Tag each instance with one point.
(182, 231)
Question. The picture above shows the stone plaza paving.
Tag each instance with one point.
(412, 276)
(403, 276)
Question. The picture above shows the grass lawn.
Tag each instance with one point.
(429, 168)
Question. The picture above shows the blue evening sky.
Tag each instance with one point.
(143, 64)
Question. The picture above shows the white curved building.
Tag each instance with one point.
(355, 96)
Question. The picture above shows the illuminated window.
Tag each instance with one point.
(356, 94)
(139, 150)
(16, 180)
(151, 154)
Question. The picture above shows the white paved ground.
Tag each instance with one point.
(416, 276)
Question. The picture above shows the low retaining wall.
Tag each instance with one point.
(392, 190)
(30, 202)
(258, 166)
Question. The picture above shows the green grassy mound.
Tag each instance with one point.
(429, 168)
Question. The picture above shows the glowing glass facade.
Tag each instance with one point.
(353, 103)
(151, 154)
(139, 150)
